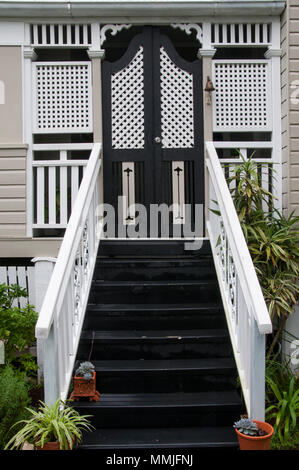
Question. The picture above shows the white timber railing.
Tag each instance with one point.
(57, 180)
(268, 170)
(245, 308)
(62, 314)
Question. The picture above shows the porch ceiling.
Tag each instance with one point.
(138, 8)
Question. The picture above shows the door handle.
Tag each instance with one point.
(158, 140)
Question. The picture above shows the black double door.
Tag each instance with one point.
(153, 129)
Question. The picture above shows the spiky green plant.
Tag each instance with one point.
(50, 424)
(285, 410)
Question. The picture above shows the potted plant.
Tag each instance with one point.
(253, 434)
(85, 382)
(57, 427)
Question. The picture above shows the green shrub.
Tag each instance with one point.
(14, 397)
(273, 242)
(282, 398)
(16, 324)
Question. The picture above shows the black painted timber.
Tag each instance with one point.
(156, 332)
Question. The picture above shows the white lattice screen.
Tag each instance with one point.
(127, 105)
(242, 97)
(62, 97)
(177, 114)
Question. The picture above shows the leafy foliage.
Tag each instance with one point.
(47, 424)
(14, 398)
(282, 395)
(247, 191)
(272, 238)
(16, 324)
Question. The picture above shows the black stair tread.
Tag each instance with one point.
(153, 260)
(159, 307)
(165, 400)
(160, 438)
(163, 365)
(155, 334)
(206, 282)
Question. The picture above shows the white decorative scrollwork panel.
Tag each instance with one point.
(62, 97)
(127, 105)
(241, 100)
(177, 109)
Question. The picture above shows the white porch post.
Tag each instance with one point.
(274, 54)
(29, 56)
(207, 53)
(96, 55)
(42, 272)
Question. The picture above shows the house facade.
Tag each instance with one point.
(130, 105)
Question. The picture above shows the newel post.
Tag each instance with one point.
(257, 372)
(43, 269)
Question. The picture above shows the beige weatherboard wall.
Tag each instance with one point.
(13, 158)
(12, 150)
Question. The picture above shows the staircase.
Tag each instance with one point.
(156, 332)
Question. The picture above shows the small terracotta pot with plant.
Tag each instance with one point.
(253, 434)
(57, 427)
(85, 383)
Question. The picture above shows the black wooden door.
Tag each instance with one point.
(153, 131)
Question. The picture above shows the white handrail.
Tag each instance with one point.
(62, 313)
(247, 314)
(241, 255)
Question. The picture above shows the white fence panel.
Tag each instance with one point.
(23, 276)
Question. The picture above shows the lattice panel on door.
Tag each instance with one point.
(241, 100)
(177, 110)
(62, 95)
(127, 105)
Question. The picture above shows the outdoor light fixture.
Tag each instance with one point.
(209, 88)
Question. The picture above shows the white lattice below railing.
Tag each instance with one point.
(246, 312)
(63, 310)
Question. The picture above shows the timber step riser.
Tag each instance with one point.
(157, 349)
(163, 418)
(157, 292)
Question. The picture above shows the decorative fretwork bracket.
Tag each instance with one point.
(113, 28)
(188, 27)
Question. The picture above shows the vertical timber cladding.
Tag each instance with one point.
(153, 129)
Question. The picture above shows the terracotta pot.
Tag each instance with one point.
(53, 446)
(258, 442)
(85, 388)
(50, 446)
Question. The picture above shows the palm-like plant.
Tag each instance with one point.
(286, 409)
(247, 191)
(50, 424)
(272, 239)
